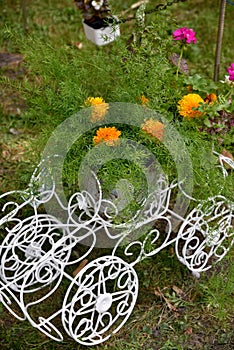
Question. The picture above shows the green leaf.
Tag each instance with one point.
(200, 84)
(207, 122)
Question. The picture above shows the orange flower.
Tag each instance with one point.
(143, 100)
(187, 103)
(99, 108)
(154, 128)
(109, 135)
(211, 98)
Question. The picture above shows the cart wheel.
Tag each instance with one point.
(206, 234)
(28, 243)
(99, 300)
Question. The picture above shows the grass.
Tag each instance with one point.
(196, 314)
(174, 310)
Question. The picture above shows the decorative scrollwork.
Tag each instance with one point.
(149, 244)
(38, 286)
(11, 301)
(36, 251)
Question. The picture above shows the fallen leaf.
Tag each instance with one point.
(179, 292)
(78, 45)
(14, 131)
(227, 154)
(188, 330)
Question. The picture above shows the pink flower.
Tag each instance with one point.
(230, 71)
(185, 34)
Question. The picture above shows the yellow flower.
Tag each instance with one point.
(99, 108)
(154, 128)
(187, 103)
(143, 100)
(92, 101)
(109, 135)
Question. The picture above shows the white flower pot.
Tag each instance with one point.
(102, 36)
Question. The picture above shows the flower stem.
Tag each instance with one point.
(179, 61)
(229, 93)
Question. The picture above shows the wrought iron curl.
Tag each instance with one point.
(36, 251)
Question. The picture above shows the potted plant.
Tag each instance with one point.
(99, 26)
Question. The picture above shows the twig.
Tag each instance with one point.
(134, 6)
(139, 3)
(157, 8)
(80, 267)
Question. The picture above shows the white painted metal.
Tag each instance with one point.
(99, 300)
(37, 253)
